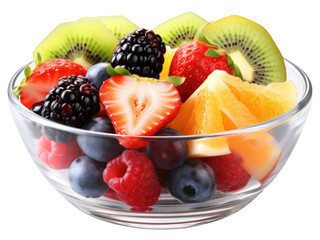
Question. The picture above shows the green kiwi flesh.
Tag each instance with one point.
(85, 42)
(120, 26)
(180, 29)
(250, 46)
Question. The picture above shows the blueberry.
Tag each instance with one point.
(167, 154)
(85, 177)
(194, 181)
(102, 149)
(97, 74)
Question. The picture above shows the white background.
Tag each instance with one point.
(290, 207)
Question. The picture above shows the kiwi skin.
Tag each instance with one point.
(249, 45)
(86, 43)
(180, 29)
(119, 25)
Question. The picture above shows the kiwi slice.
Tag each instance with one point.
(120, 26)
(181, 29)
(250, 47)
(85, 42)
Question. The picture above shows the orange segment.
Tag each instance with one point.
(264, 102)
(258, 150)
(201, 114)
(167, 61)
(259, 154)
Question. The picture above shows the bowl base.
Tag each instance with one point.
(167, 213)
(161, 220)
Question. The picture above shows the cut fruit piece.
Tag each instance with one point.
(181, 29)
(84, 42)
(258, 149)
(138, 106)
(264, 102)
(250, 46)
(201, 114)
(259, 153)
(120, 26)
(235, 110)
(168, 56)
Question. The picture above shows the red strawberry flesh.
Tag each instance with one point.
(139, 106)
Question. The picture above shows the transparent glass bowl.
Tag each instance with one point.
(169, 212)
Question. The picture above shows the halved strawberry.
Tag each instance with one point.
(139, 106)
(44, 77)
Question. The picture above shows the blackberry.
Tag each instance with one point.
(141, 52)
(72, 102)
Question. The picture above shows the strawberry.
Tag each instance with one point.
(195, 61)
(44, 77)
(139, 106)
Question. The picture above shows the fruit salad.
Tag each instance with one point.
(185, 77)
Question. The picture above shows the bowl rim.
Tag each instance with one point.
(301, 105)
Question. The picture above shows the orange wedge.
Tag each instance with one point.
(167, 61)
(258, 149)
(201, 114)
(264, 102)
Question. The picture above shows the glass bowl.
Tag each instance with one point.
(169, 212)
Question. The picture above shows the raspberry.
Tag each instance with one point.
(131, 175)
(57, 155)
(111, 194)
(230, 175)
